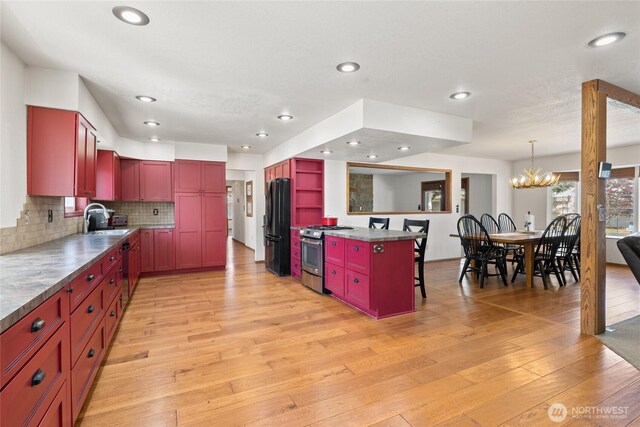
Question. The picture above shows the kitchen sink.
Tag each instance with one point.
(109, 232)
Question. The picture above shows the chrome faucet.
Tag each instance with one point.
(85, 222)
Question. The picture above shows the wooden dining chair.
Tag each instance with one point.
(419, 248)
(489, 223)
(566, 257)
(506, 225)
(479, 248)
(545, 260)
(381, 223)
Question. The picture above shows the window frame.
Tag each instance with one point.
(79, 202)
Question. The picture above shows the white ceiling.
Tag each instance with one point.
(222, 71)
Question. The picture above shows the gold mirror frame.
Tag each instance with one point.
(447, 190)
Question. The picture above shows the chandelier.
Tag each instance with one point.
(533, 178)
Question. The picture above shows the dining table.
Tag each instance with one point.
(528, 239)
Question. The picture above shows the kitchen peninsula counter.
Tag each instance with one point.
(374, 234)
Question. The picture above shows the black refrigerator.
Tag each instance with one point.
(277, 223)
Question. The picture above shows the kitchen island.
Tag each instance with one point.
(371, 269)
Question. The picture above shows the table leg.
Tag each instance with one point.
(529, 263)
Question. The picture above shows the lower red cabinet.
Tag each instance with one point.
(163, 250)
(28, 396)
(146, 249)
(86, 368)
(59, 412)
(296, 265)
(377, 277)
(84, 320)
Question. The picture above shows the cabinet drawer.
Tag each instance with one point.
(356, 289)
(334, 250)
(85, 370)
(295, 248)
(109, 260)
(112, 284)
(112, 317)
(82, 285)
(84, 321)
(58, 414)
(334, 279)
(29, 394)
(357, 255)
(22, 340)
(295, 233)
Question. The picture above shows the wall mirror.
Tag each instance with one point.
(388, 189)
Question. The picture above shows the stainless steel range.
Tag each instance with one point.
(312, 242)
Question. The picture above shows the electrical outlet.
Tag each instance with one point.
(155, 212)
(50, 215)
(26, 217)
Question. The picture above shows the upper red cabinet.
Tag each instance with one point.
(108, 176)
(147, 180)
(155, 181)
(192, 176)
(61, 153)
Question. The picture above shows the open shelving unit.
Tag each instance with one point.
(307, 194)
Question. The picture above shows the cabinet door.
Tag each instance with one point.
(117, 182)
(106, 179)
(334, 250)
(130, 175)
(80, 159)
(213, 177)
(188, 237)
(356, 289)
(91, 147)
(214, 230)
(285, 169)
(163, 249)
(357, 255)
(146, 251)
(51, 136)
(155, 181)
(334, 279)
(188, 176)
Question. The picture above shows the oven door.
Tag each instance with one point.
(312, 256)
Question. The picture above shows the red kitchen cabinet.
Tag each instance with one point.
(163, 249)
(59, 412)
(61, 153)
(130, 177)
(188, 216)
(375, 277)
(108, 176)
(296, 250)
(192, 176)
(156, 181)
(27, 397)
(200, 212)
(146, 251)
(86, 368)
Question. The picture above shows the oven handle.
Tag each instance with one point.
(315, 242)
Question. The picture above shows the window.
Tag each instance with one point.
(565, 195)
(74, 206)
(433, 195)
(621, 202)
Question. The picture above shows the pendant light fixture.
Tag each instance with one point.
(534, 178)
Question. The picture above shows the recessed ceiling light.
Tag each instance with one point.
(155, 139)
(144, 98)
(460, 95)
(151, 123)
(130, 15)
(404, 148)
(326, 151)
(607, 39)
(262, 134)
(372, 156)
(245, 147)
(348, 67)
(285, 117)
(353, 142)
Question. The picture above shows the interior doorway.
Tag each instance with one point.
(464, 196)
(229, 210)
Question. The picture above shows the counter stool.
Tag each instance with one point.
(419, 226)
(381, 223)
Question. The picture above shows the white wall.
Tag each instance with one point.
(252, 227)
(238, 210)
(194, 151)
(13, 137)
(480, 194)
(51, 88)
(384, 191)
(439, 244)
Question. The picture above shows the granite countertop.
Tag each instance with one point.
(30, 276)
(150, 226)
(374, 234)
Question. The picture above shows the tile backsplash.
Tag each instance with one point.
(142, 212)
(33, 226)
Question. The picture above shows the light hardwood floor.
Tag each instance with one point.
(243, 347)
